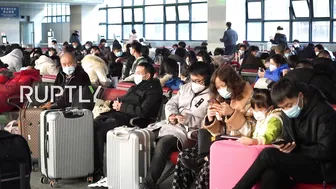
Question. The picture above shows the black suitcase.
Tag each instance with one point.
(15, 162)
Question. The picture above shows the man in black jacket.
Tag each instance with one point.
(308, 154)
(305, 73)
(72, 75)
(142, 100)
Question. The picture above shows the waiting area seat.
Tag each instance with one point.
(48, 78)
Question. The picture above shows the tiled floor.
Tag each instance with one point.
(76, 184)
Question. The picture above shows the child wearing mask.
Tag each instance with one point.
(277, 68)
(269, 121)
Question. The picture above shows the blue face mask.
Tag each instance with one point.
(68, 70)
(294, 111)
(224, 93)
(119, 54)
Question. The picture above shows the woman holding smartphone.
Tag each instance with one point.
(227, 114)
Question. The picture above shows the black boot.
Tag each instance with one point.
(97, 175)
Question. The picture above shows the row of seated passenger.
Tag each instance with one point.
(240, 160)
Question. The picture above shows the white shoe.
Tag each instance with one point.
(101, 183)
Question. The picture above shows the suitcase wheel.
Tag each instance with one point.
(53, 184)
(44, 180)
(89, 179)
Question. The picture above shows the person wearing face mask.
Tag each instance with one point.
(276, 70)
(251, 61)
(87, 48)
(168, 74)
(184, 113)
(288, 52)
(118, 67)
(142, 100)
(241, 52)
(318, 48)
(136, 52)
(308, 153)
(71, 74)
(297, 48)
(227, 114)
(269, 121)
(55, 46)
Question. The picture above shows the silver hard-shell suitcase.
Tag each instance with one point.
(128, 156)
(66, 145)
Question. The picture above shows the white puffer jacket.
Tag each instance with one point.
(46, 66)
(14, 60)
(97, 70)
(193, 107)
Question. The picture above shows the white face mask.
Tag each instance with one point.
(296, 45)
(196, 88)
(259, 115)
(224, 93)
(317, 53)
(287, 55)
(75, 46)
(138, 79)
(272, 67)
(241, 52)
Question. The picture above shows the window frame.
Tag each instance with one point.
(164, 22)
(50, 16)
(292, 18)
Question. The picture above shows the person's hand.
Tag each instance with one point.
(180, 119)
(261, 74)
(118, 60)
(284, 72)
(245, 140)
(286, 148)
(46, 106)
(116, 105)
(224, 109)
(172, 119)
(211, 113)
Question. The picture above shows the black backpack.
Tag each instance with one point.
(15, 161)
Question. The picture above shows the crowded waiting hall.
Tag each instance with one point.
(168, 94)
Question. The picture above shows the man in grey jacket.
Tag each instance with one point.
(230, 39)
(184, 112)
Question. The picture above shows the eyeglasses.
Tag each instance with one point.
(201, 82)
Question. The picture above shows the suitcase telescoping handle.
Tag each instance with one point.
(123, 133)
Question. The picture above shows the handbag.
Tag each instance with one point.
(100, 107)
(13, 127)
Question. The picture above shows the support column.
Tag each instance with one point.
(84, 18)
(216, 22)
(220, 12)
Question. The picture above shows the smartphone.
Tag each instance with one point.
(280, 141)
(227, 137)
(213, 101)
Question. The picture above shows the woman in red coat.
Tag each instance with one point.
(12, 86)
